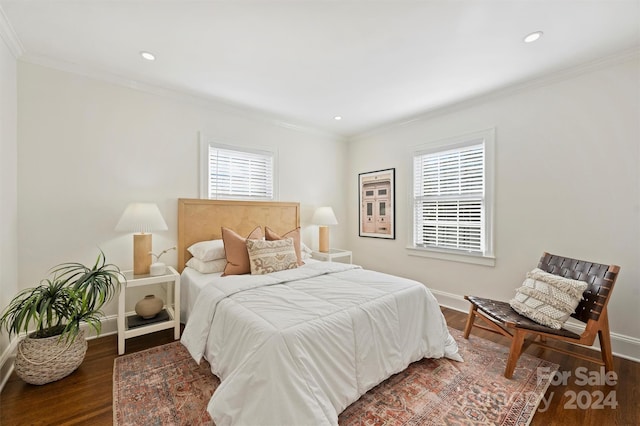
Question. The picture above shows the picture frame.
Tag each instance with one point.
(377, 204)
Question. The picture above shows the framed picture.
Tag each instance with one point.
(377, 210)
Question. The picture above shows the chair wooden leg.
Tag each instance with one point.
(604, 337)
(514, 352)
(470, 319)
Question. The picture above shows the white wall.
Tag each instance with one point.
(567, 182)
(8, 189)
(88, 148)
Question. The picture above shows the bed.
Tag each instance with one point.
(296, 347)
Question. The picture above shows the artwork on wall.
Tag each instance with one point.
(376, 192)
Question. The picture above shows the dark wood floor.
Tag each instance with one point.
(85, 397)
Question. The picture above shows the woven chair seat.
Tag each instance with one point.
(504, 313)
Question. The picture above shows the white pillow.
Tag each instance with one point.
(208, 250)
(548, 299)
(208, 267)
(305, 252)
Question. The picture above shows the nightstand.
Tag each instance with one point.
(332, 254)
(172, 305)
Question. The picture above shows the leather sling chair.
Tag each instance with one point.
(592, 310)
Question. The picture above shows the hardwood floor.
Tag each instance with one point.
(564, 398)
(85, 397)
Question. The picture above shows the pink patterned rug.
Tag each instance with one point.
(163, 386)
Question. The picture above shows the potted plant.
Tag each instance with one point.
(72, 295)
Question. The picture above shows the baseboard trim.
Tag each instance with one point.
(623, 346)
(6, 362)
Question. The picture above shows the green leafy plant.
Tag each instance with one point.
(75, 293)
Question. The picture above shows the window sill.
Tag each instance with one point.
(475, 259)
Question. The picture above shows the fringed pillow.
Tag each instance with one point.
(548, 299)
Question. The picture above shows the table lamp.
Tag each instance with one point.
(141, 218)
(324, 216)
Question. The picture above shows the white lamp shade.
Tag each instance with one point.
(141, 217)
(324, 216)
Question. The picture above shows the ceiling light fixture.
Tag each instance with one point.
(148, 56)
(533, 37)
(337, 118)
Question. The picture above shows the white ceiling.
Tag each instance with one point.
(306, 61)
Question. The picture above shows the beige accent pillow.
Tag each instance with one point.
(548, 299)
(207, 250)
(208, 267)
(235, 248)
(270, 235)
(271, 256)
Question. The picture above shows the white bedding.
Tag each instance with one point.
(191, 283)
(297, 347)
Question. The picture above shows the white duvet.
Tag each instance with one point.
(297, 347)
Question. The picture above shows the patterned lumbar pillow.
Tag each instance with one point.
(271, 256)
(548, 299)
(271, 235)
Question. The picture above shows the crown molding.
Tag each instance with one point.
(8, 34)
(177, 94)
(508, 90)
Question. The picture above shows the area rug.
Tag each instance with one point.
(164, 386)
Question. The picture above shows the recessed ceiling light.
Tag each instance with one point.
(337, 118)
(533, 37)
(148, 56)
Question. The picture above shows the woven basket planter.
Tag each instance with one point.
(41, 361)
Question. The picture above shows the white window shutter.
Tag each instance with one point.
(449, 203)
(240, 174)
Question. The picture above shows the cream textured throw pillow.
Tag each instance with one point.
(548, 299)
(271, 256)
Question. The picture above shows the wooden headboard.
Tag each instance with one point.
(201, 220)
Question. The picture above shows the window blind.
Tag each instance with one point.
(449, 188)
(240, 174)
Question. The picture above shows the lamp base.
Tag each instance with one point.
(323, 239)
(141, 254)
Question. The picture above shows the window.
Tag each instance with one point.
(453, 197)
(229, 172)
